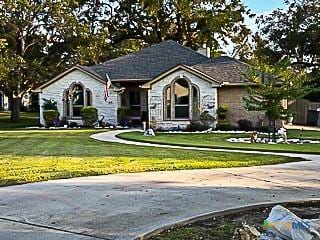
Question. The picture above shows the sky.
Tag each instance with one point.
(263, 6)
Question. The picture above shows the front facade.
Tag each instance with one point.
(166, 85)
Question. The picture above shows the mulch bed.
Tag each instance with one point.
(223, 227)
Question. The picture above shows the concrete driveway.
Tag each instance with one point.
(123, 206)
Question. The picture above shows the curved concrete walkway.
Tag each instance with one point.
(124, 206)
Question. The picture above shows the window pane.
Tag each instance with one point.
(181, 90)
(88, 98)
(78, 95)
(77, 111)
(182, 111)
(195, 104)
(168, 103)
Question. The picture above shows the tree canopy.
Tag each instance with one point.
(293, 33)
(273, 85)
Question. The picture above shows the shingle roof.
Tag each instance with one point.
(224, 69)
(149, 62)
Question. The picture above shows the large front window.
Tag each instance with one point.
(180, 100)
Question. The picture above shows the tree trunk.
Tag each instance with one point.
(15, 111)
(274, 130)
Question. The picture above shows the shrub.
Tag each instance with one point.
(206, 119)
(264, 129)
(49, 104)
(245, 125)
(73, 124)
(196, 126)
(222, 111)
(89, 115)
(224, 126)
(51, 117)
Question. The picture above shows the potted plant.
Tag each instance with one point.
(290, 118)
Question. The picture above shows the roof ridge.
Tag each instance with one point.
(150, 47)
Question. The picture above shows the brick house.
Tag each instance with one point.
(168, 82)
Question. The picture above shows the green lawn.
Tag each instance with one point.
(30, 156)
(27, 119)
(213, 140)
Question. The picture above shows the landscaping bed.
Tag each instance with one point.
(223, 227)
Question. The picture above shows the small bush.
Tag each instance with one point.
(206, 119)
(50, 117)
(245, 125)
(49, 104)
(73, 124)
(196, 126)
(264, 129)
(225, 127)
(222, 111)
(89, 115)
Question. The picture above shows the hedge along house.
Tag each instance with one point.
(167, 82)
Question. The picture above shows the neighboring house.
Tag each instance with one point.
(172, 84)
(3, 101)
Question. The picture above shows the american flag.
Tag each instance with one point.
(106, 87)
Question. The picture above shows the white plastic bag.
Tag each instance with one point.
(286, 225)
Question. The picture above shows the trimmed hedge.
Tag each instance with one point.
(50, 116)
(89, 115)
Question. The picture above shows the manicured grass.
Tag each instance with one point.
(27, 119)
(30, 156)
(214, 140)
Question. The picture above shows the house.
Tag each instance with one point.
(170, 83)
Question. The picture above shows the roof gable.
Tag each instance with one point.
(77, 67)
(187, 69)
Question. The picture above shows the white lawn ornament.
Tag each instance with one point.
(149, 133)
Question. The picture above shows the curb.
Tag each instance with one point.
(213, 214)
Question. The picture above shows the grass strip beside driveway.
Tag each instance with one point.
(219, 140)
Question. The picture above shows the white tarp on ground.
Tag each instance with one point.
(283, 224)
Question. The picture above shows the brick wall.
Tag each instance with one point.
(55, 91)
(233, 98)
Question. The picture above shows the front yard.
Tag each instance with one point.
(40, 155)
(214, 140)
(31, 156)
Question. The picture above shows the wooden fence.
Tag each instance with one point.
(300, 109)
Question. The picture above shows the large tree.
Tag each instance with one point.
(192, 23)
(44, 37)
(294, 33)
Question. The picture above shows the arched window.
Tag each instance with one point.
(181, 100)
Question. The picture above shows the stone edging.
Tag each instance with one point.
(206, 216)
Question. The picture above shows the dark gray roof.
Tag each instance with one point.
(224, 69)
(149, 62)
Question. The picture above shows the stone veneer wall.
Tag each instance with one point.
(232, 96)
(55, 91)
(207, 93)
